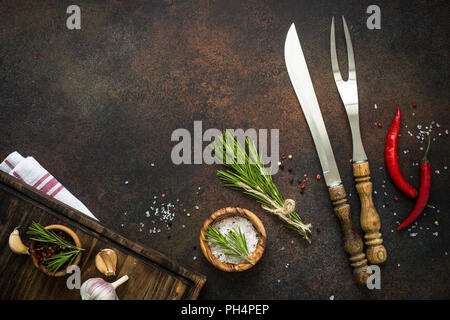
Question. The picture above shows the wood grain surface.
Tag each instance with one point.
(151, 275)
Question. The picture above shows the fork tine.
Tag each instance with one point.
(334, 61)
(351, 57)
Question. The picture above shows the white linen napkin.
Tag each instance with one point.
(31, 172)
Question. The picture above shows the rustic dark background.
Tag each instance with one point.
(97, 107)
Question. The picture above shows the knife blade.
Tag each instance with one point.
(303, 87)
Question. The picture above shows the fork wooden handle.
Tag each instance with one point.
(370, 220)
(353, 244)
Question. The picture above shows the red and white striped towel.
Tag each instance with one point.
(31, 172)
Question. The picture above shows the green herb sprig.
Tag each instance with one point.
(248, 174)
(233, 243)
(55, 262)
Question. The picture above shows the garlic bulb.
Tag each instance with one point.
(15, 243)
(99, 289)
(106, 261)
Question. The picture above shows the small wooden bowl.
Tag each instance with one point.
(76, 240)
(227, 213)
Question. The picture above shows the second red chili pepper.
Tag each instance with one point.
(390, 153)
(424, 191)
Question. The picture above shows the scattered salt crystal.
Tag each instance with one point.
(234, 223)
(419, 126)
(435, 234)
(375, 106)
(331, 298)
(126, 182)
(194, 258)
(398, 265)
(152, 164)
(437, 171)
(197, 207)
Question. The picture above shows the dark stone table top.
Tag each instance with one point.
(97, 107)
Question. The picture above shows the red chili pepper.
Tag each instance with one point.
(390, 153)
(424, 191)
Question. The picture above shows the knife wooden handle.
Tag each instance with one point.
(353, 244)
(370, 220)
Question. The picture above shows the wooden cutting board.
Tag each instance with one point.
(151, 274)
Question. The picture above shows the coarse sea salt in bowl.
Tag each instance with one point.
(226, 219)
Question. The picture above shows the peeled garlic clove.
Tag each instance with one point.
(15, 243)
(106, 262)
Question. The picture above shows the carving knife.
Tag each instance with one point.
(348, 90)
(303, 87)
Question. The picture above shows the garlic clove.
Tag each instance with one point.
(15, 243)
(106, 262)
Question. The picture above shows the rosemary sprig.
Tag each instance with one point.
(248, 174)
(233, 243)
(55, 262)
(43, 235)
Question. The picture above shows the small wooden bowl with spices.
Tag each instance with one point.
(232, 226)
(38, 250)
